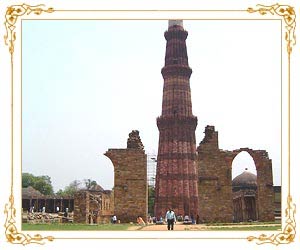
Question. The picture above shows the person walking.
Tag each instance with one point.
(170, 218)
(114, 219)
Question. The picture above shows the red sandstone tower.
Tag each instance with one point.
(176, 174)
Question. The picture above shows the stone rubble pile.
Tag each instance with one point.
(36, 218)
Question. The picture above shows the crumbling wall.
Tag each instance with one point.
(81, 207)
(214, 186)
(107, 207)
(130, 178)
(93, 207)
(215, 180)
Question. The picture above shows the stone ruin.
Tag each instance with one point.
(215, 180)
(134, 140)
(129, 198)
(93, 206)
(130, 178)
(191, 180)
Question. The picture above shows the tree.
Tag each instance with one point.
(27, 180)
(60, 192)
(89, 184)
(41, 183)
(76, 186)
(72, 188)
(151, 197)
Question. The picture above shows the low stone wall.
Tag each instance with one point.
(41, 218)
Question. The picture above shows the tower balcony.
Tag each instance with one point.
(176, 32)
(176, 70)
(164, 122)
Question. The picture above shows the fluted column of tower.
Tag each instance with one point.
(176, 174)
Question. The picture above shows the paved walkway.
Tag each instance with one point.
(182, 227)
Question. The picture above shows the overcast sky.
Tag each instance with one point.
(87, 84)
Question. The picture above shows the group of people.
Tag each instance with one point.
(170, 218)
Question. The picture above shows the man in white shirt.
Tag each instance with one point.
(114, 219)
(170, 218)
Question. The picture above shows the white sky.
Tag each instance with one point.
(87, 84)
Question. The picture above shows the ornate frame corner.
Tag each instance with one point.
(12, 14)
(11, 231)
(289, 232)
(288, 14)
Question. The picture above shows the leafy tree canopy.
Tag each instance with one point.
(41, 183)
(76, 186)
(89, 184)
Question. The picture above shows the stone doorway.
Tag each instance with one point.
(250, 204)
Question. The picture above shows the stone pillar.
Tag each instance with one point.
(130, 178)
(87, 208)
(265, 190)
(81, 209)
(244, 211)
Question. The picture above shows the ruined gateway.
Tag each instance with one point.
(194, 181)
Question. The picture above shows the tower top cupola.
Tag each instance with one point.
(175, 22)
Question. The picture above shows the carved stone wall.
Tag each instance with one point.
(93, 207)
(130, 178)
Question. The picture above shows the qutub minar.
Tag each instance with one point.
(176, 176)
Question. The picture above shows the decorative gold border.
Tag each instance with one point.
(289, 231)
(11, 231)
(289, 16)
(11, 17)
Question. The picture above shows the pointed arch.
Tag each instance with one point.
(241, 162)
(265, 192)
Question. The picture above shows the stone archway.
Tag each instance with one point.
(215, 182)
(241, 162)
(265, 192)
(244, 188)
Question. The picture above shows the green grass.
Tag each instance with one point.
(254, 228)
(243, 223)
(74, 227)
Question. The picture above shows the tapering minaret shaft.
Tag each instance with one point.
(176, 177)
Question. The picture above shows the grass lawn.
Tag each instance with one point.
(243, 223)
(73, 227)
(253, 228)
(245, 226)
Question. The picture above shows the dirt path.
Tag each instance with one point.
(181, 227)
(177, 227)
